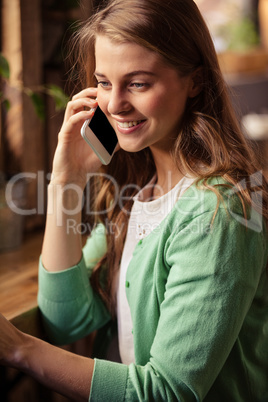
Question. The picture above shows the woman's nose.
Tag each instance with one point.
(118, 102)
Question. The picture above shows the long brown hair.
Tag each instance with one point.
(210, 142)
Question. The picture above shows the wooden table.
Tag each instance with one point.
(18, 303)
(19, 285)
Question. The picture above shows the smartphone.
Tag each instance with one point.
(100, 136)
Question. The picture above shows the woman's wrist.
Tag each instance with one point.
(64, 210)
(64, 180)
(17, 358)
(54, 367)
(66, 200)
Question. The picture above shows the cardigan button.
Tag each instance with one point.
(127, 284)
(140, 242)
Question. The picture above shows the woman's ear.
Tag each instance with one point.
(196, 83)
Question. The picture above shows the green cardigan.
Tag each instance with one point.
(198, 296)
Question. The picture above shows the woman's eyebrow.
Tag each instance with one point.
(131, 74)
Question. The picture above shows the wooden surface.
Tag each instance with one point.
(18, 303)
(19, 284)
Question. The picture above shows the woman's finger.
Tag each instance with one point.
(77, 105)
(77, 118)
(86, 93)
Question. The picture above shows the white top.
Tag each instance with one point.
(144, 218)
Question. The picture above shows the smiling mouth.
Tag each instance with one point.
(128, 124)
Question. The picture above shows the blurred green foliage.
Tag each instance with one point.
(37, 98)
(4, 67)
(241, 35)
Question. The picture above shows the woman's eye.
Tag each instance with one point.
(138, 85)
(103, 84)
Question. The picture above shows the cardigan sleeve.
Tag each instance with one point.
(213, 277)
(70, 308)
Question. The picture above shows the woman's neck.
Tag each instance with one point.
(167, 172)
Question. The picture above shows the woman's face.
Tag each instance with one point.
(143, 98)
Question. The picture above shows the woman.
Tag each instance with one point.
(179, 250)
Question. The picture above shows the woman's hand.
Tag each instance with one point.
(74, 159)
(56, 368)
(10, 340)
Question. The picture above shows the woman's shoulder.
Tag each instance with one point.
(212, 197)
(207, 195)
